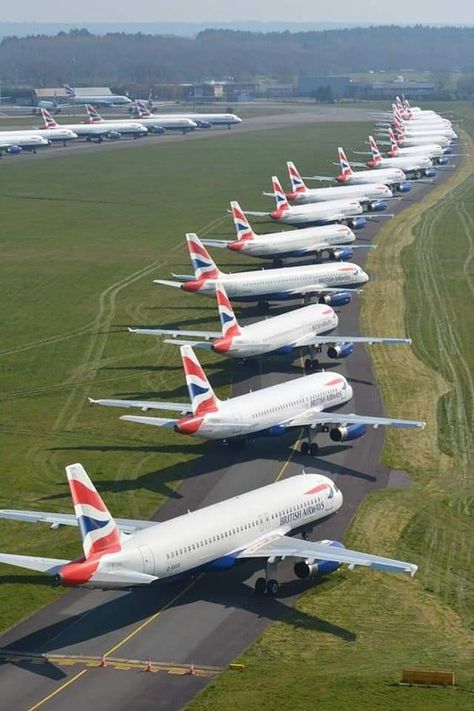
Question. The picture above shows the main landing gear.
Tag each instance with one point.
(268, 585)
(312, 363)
(309, 446)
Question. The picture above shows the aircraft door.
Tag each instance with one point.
(148, 560)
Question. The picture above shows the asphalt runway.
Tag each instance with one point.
(209, 620)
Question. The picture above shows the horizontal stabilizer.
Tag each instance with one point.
(256, 213)
(31, 562)
(126, 525)
(156, 421)
(318, 177)
(145, 405)
(195, 344)
(175, 334)
(183, 277)
(218, 243)
(167, 282)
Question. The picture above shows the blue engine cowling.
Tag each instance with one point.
(378, 206)
(14, 150)
(442, 160)
(343, 350)
(447, 150)
(202, 124)
(157, 129)
(430, 172)
(313, 568)
(284, 350)
(224, 563)
(342, 255)
(339, 298)
(357, 223)
(114, 135)
(404, 187)
(275, 431)
(347, 432)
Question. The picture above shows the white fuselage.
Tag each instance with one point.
(362, 193)
(23, 139)
(284, 283)
(215, 119)
(123, 127)
(294, 243)
(219, 531)
(89, 129)
(428, 130)
(271, 407)
(432, 150)
(61, 134)
(423, 140)
(279, 331)
(389, 176)
(106, 100)
(175, 123)
(406, 163)
(331, 211)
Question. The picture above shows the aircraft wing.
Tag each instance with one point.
(156, 421)
(320, 289)
(220, 243)
(314, 339)
(175, 333)
(313, 418)
(127, 525)
(195, 344)
(288, 547)
(256, 213)
(145, 405)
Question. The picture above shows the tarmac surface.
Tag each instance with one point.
(209, 620)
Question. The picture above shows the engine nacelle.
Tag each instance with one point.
(344, 254)
(157, 129)
(347, 432)
(339, 298)
(224, 563)
(404, 187)
(284, 350)
(357, 223)
(377, 206)
(114, 135)
(430, 172)
(14, 150)
(275, 431)
(442, 160)
(343, 350)
(202, 124)
(314, 568)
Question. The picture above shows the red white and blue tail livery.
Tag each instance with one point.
(200, 391)
(93, 114)
(346, 169)
(242, 226)
(298, 186)
(280, 197)
(203, 264)
(230, 326)
(376, 155)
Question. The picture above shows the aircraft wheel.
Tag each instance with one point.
(308, 364)
(260, 586)
(272, 587)
(304, 449)
(313, 449)
(332, 257)
(314, 363)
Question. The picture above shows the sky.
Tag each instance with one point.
(399, 12)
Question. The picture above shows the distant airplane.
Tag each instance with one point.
(126, 127)
(299, 403)
(393, 177)
(432, 150)
(295, 331)
(334, 241)
(154, 122)
(122, 553)
(102, 100)
(203, 120)
(415, 166)
(332, 283)
(17, 142)
(89, 131)
(342, 210)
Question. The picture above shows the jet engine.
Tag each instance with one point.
(114, 135)
(339, 298)
(377, 206)
(342, 255)
(357, 223)
(345, 433)
(311, 568)
(404, 187)
(343, 350)
(430, 172)
(157, 129)
(14, 150)
(202, 124)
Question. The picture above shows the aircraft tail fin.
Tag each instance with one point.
(93, 114)
(49, 121)
(297, 183)
(99, 532)
(201, 394)
(70, 92)
(376, 156)
(203, 264)
(242, 226)
(346, 169)
(142, 109)
(393, 142)
(229, 323)
(280, 197)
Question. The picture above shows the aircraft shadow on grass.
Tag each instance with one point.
(229, 590)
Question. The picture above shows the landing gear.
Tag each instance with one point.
(308, 446)
(260, 586)
(311, 364)
(268, 585)
(272, 587)
(313, 449)
(304, 449)
(263, 306)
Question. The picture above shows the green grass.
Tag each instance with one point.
(83, 237)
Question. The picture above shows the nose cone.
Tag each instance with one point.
(350, 391)
(339, 499)
(364, 276)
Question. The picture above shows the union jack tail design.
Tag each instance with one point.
(376, 156)
(94, 116)
(230, 326)
(346, 169)
(49, 122)
(393, 142)
(200, 391)
(297, 183)
(280, 197)
(242, 227)
(69, 91)
(142, 109)
(99, 532)
(203, 264)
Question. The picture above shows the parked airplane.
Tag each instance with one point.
(333, 283)
(432, 150)
(347, 210)
(202, 120)
(420, 139)
(393, 177)
(121, 553)
(269, 412)
(326, 240)
(416, 166)
(370, 195)
(155, 123)
(412, 129)
(52, 135)
(292, 332)
(15, 143)
(89, 131)
(103, 100)
(125, 127)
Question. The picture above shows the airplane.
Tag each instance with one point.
(420, 139)
(89, 131)
(53, 134)
(201, 120)
(433, 129)
(299, 403)
(159, 124)
(370, 194)
(432, 150)
(333, 283)
(393, 177)
(416, 166)
(15, 143)
(325, 240)
(104, 100)
(125, 127)
(124, 553)
(290, 332)
(347, 210)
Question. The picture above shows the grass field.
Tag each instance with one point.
(82, 238)
(368, 627)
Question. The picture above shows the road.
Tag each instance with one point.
(209, 620)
